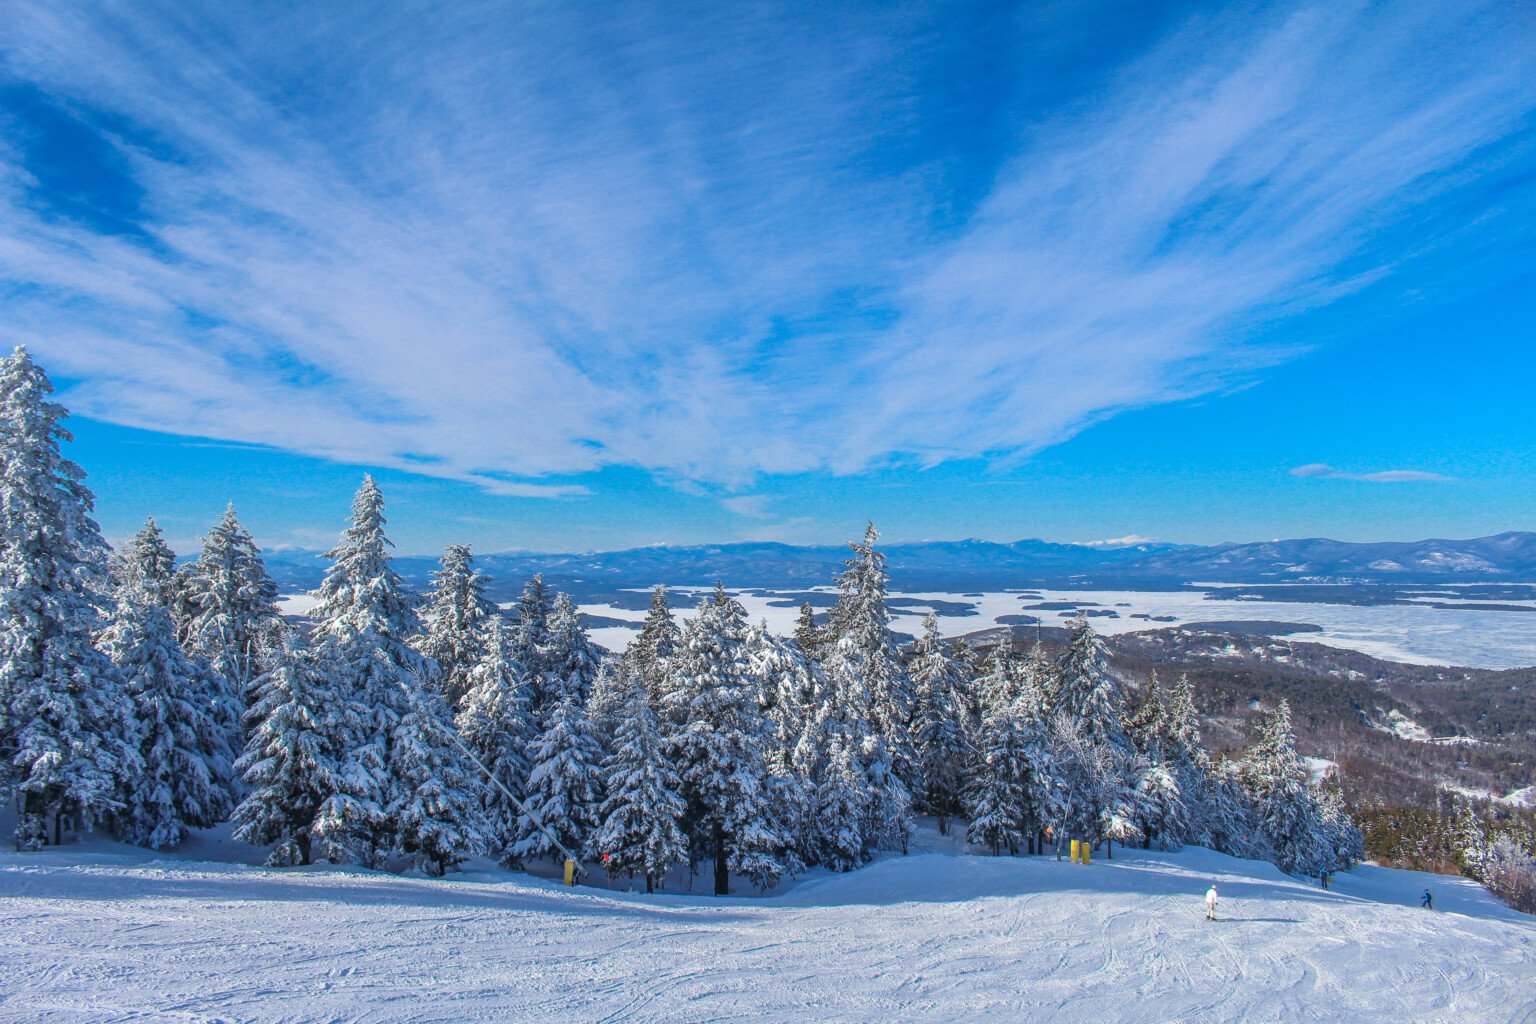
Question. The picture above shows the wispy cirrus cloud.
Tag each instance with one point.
(1323, 471)
(515, 251)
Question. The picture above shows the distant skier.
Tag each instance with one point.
(1210, 903)
(1427, 901)
(1322, 877)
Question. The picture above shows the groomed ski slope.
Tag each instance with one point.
(106, 935)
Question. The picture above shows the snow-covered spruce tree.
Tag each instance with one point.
(1159, 809)
(1275, 781)
(437, 814)
(1012, 790)
(1093, 753)
(714, 737)
(1343, 836)
(456, 614)
(810, 636)
(788, 684)
(571, 660)
(188, 766)
(640, 831)
(496, 723)
(862, 618)
(565, 786)
(66, 740)
(647, 654)
(146, 565)
(301, 727)
(888, 802)
(941, 748)
(233, 607)
(530, 639)
(997, 687)
(365, 616)
(841, 808)
(605, 704)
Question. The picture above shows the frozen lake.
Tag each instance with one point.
(1413, 632)
(1410, 632)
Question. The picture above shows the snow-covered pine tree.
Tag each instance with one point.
(66, 741)
(940, 745)
(647, 654)
(862, 617)
(565, 786)
(788, 684)
(188, 766)
(996, 791)
(1343, 835)
(1094, 755)
(809, 635)
(571, 660)
(438, 810)
(146, 565)
(998, 685)
(1275, 780)
(714, 737)
(887, 800)
(841, 808)
(456, 614)
(531, 636)
(640, 831)
(300, 729)
(365, 616)
(496, 723)
(1159, 809)
(233, 607)
(1145, 724)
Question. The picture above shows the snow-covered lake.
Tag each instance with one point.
(1413, 632)
(1416, 633)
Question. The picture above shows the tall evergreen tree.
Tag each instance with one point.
(571, 659)
(531, 637)
(647, 654)
(565, 788)
(1275, 781)
(147, 565)
(862, 617)
(233, 607)
(715, 740)
(809, 635)
(365, 615)
(456, 613)
(301, 727)
(939, 741)
(640, 831)
(496, 723)
(63, 749)
(187, 775)
(437, 812)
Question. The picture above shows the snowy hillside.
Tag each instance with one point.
(114, 934)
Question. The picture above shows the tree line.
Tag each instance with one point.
(153, 700)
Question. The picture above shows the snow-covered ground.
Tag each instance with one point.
(105, 934)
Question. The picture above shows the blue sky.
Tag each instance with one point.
(571, 277)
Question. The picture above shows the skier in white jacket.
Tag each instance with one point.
(1210, 903)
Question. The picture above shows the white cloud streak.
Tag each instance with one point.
(1323, 471)
(514, 251)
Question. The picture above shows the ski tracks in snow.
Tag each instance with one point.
(923, 938)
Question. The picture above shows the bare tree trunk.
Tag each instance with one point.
(722, 869)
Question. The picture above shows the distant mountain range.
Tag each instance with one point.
(971, 565)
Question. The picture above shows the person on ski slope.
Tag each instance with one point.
(1210, 903)
(1427, 901)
